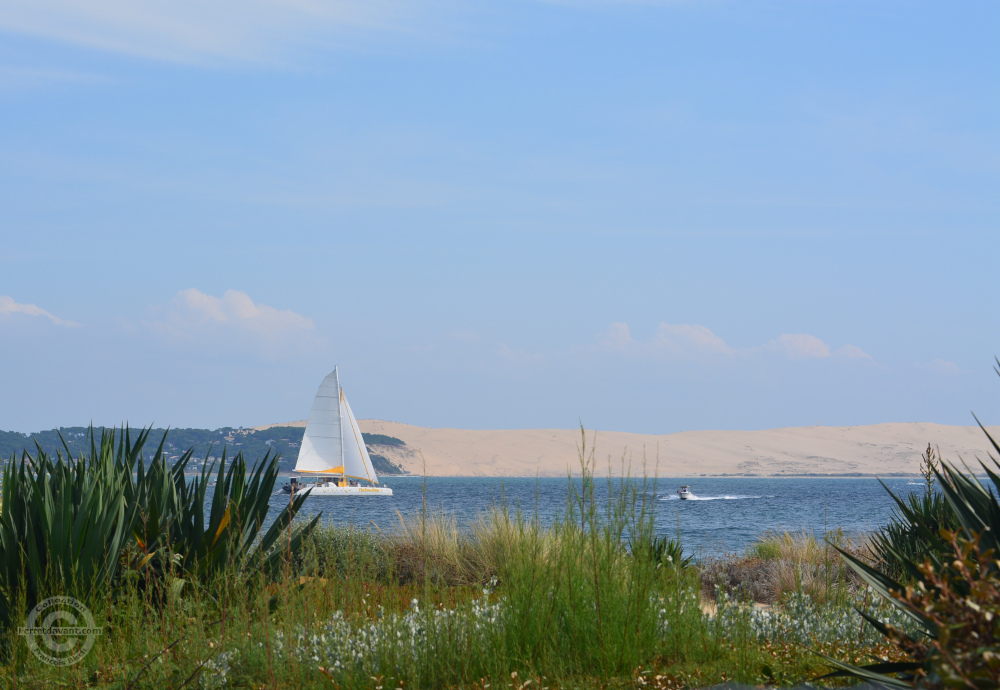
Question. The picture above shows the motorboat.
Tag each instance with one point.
(684, 493)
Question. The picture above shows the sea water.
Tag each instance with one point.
(725, 515)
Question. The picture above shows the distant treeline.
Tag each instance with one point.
(284, 440)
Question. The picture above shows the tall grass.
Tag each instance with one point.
(586, 601)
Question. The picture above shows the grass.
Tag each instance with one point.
(560, 609)
(500, 604)
(780, 564)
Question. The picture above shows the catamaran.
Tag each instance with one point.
(333, 450)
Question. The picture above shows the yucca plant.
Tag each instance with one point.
(171, 527)
(953, 595)
(63, 523)
(67, 525)
(913, 530)
(662, 550)
(916, 523)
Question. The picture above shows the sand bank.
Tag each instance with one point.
(877, 449)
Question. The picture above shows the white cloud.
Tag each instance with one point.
(195, 31)
(9, 307)
(853, 352)
(617, 337)
(517, 356)
(941, 366)
(195, 317)
(669, 339)
(687, 337)
(687, 340)
(803, 346)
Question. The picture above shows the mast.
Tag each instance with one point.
(340, 411)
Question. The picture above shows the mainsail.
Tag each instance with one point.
(332, 443)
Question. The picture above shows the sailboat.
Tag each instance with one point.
(333, 450)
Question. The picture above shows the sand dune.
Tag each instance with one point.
(877, 449)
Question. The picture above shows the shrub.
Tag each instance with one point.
(747, 578)
(343, 552)
(960, 603)
(952, 594)
(779, 564)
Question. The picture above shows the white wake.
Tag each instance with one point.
(726, 497)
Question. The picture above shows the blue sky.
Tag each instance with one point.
(649, 217)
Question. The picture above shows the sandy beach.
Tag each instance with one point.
(877, 449)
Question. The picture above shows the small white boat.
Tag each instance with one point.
(333, 452)
(684, 492)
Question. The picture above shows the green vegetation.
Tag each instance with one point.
(382, 440)
(89, 525)
(915, 526)
(594, 600)
(946, 583)
(782, 564)
(283, 441)
(384, 465)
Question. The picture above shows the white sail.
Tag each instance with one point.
(322, 447)
(332, 442)
(357, 462)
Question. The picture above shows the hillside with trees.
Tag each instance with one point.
(207, 443)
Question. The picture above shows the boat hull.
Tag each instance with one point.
(345, 491)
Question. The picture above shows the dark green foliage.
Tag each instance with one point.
(912, 532)
(69, 525)
(63, 524)
(171, 529)
(954, 602)
(382, 440)
(664, 550)
(384, 465)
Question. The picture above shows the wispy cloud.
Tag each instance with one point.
(670, 343)
(9, 307)
(198, 31)
(679, 337)
(669, 339)
(23, 77)
(941, 366)
(193, 317)
(853, 352)
(803, 346)
(685, 340)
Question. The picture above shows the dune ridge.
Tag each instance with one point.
(870, 450)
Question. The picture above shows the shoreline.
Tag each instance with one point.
(659, 477)
(877, 450)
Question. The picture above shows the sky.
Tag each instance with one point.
(639, 216)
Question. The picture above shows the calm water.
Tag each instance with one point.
(726, 515)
